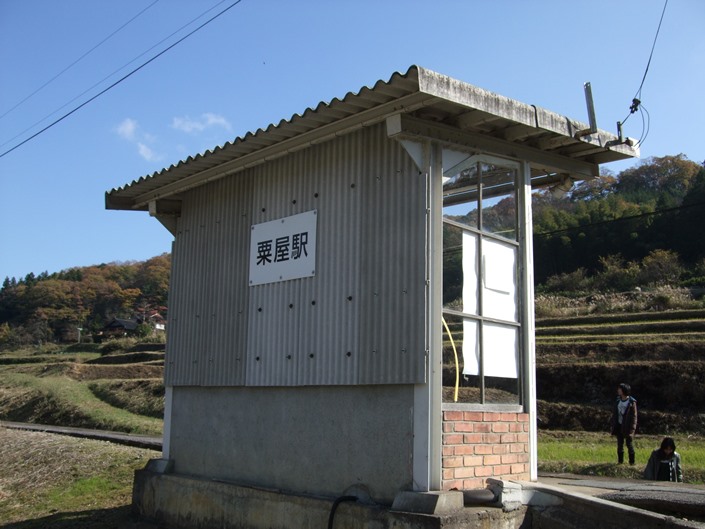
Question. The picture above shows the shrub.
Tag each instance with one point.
(616, 275)
(666, 297)
(660, 267)
(155, 337)
(575, 281)
(554, 306)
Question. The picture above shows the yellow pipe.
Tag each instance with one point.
(457, 367)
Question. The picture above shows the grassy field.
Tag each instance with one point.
(74, 389)
(595, 454)
(65, 483)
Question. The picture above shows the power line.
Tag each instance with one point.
(636, 99)
(647, 125)
(620, 219)
(108, 76)
(77, 61)
(121, 79)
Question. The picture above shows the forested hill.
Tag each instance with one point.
(642, 227)
(50, 307)
(648, 215)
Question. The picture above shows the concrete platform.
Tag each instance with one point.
(683, 500)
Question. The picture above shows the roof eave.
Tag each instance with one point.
(402, 94)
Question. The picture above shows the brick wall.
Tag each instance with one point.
(478, 445)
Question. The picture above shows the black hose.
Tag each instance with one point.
(335, 507)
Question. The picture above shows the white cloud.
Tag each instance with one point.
(146, 152)
(216, 120)
(207, 120)
(127, 129)
(130, 130)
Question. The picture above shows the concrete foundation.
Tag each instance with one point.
(183, 502)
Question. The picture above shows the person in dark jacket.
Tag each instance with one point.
(664, 463)
(623, 422)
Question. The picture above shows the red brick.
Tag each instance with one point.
(516, 427)
(483, 471)
(472, 461)
(462, 473)
(452, 462)
(470, 484)
(500, 427)
(518, 468)
(455, 484)
(483, 427)
(510, 458)
(523, 417)
(452, 415)
(526, 427)
(523, 437)
(464, 427)
(449, 450)
(483, 449)
(500, 449)
(448, 473)
(452, 439)
(523, 458)
(492, 460)
(508, 438)
(472, 416)
(502, 470)
(464, 450)
(490, 416)
(491, 438)
(473, 438)
(509, 417)
(447, 427)
(517, 448)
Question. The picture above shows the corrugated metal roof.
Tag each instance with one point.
(421, 93)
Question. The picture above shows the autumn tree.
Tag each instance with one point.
(152, 278)
(666, 179)
(50, 306)
(660, 267)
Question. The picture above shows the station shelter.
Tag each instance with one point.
(351, 296)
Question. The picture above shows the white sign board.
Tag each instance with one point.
(283, 249)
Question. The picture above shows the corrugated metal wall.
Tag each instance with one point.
(208, 293)
(360, 320)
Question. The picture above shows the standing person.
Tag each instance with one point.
(664, 463)
(623, 422)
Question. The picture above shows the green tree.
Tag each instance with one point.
(687, 234)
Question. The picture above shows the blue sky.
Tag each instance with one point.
(265, 60)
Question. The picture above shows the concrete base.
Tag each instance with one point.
(429, 502)
(181, 502)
